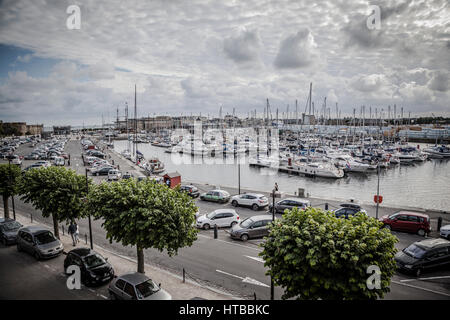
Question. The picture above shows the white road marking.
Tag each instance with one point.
(424, 279)
(103, 296)
(421, 288)
(256, 259)
(246, 279)
(230, 243)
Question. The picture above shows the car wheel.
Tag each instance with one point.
(418, 272)
(421, 232)
(112, 296)
(5, 242)
(19, 248)
(233, 224)
(206, 226)
(255, 207)
(234, 203)
(244, 237)
(36, 255)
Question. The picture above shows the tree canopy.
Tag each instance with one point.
(10, 175)
(56, 191)
(313, 254)
(145, 214)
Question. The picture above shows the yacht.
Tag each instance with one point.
(317, 169)
(438, 152)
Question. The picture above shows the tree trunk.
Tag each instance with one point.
(140, 259)
(55, 226)
(6, 206)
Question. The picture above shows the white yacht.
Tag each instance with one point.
(317, 169)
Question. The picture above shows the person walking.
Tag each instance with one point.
(77, 234)
(72, 231)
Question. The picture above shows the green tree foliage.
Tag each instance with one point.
(10, 175)
(145, 214)
(314, 255)
(56, 191)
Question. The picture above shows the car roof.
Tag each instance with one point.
(253, 194)
(3, 220)
(82, 252)
(34, 229)
(224, 210)
(350, 205)
(412, 213)
(134, 278)
(261, 217)
(433, 243)
(297, 200)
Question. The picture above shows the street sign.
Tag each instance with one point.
(377, 199)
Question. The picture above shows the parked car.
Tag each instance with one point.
(349, 209)
(39, 242)
(44, 163)
(445, 232)
(219, 217)
(114, 174)
(127, 175)
(136, 286)
(59, 161)
(254, 200)
(33, 166)
(253, 227)
(290, 203)
(94, 268)
(31, 156)
(8, 231)
(423, 256)
(216, 196)
(15, 159)
(191, 190)
(102, 171)
(408, 221)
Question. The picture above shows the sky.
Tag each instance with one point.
(192, 57)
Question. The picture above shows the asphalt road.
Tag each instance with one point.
(23, 277)
(231, 265)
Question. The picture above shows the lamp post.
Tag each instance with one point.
(89, 216)
(272, 286)
(378, 188)
(12, 195)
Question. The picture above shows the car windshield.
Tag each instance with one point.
(93, 260)
(44, 237)
(146, 288)
(10, 226)
(393, 216)
(211, 215)
(414, 251)
(246, 223)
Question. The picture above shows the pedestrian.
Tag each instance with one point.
(276, 186)
(72, 231)
(77, 234)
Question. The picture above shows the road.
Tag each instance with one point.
(234, 266)
(23, 277)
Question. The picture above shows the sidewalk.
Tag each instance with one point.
(122, 264)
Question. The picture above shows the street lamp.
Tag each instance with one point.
(378, 188)
(89, 216)
(12, 195)
(275, 189)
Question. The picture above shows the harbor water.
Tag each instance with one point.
(422, 185)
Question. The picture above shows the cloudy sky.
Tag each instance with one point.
(195, 56)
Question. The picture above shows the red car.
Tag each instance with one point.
(408, 221)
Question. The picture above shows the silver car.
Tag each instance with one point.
(39, 242)
(136, 286)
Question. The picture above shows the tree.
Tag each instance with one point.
(9, 180)
(56, 191)
(314, 255)
(145, 214)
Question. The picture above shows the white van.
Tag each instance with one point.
(59, 161)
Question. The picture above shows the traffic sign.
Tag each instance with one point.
(377, 199)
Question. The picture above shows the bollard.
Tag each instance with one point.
(85, 237)
(215, 231)
(254, 295)
(62, 229)
(184, 276)
(31, 218)
(326, 205)
(439, 224)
